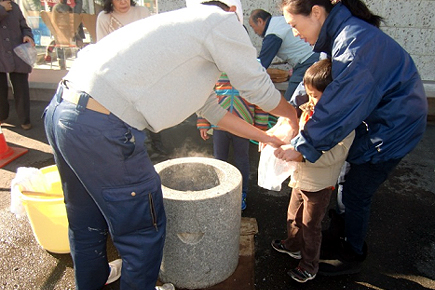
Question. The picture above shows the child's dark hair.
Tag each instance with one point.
(319, 76)
(356, 7)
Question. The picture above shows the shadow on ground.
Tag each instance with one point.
(401, 236)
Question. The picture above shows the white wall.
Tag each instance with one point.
(409, 22)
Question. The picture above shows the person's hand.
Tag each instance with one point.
(203, 134)
(272, 141)
(7, 5)
(288, 153)
(283, 130)
(28, 39)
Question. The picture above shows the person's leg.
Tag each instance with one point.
(362, 181)
(221, 144)
(315, 205)
(292, 245)
(4, 102)
(341, 179)
(294, 222)
(87, 226)
(241, 159)
(60, 51)
(20, 85)
(156, 143)
(122, 182)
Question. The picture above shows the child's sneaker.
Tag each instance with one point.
(300, 275)
(279, 246)
(115, 271)
(243, 200)
(166, 286)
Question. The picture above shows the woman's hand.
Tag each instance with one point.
(288, 153)
(28, 39)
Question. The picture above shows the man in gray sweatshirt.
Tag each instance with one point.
(153, 73)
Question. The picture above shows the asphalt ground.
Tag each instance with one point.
(401, 235)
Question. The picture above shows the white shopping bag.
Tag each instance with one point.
(26, 179)
(26, 52)
(273, 171)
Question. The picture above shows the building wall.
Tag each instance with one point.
(409, 22)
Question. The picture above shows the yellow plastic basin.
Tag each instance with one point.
(47, 214)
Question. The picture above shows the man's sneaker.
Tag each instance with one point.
(300, 275)
(243, 200)
(166, 286)
(279, 246)
(115, 271)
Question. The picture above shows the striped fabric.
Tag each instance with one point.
(229, 98)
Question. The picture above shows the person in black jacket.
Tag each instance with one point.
(14, 32)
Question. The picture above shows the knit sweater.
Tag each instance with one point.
(229, 98)
(156, 72)
(109, 22)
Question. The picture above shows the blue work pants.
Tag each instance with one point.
(110, 185)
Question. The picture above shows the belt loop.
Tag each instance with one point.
(83, 101)
(139, 139)
(59, 92)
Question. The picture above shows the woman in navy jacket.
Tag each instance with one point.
(376, 90)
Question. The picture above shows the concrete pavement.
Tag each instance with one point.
(401, 236)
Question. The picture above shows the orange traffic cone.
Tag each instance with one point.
(8, 154)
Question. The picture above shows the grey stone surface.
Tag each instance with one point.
(202, 199)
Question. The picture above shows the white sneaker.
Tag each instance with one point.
(115, 271)
(166, 286)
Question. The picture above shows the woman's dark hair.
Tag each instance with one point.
(108, 6)
(356, 7)
(319, 76)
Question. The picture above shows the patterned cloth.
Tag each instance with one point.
(229, 98)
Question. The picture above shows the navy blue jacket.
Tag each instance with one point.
(376, 90)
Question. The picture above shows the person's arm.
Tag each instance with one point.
(350, 99)
(203, 126)
(285, 109)
(231, 50)
(269, 49)
(102, 25)
(241, 128)
(336, 153)
(327, 158)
